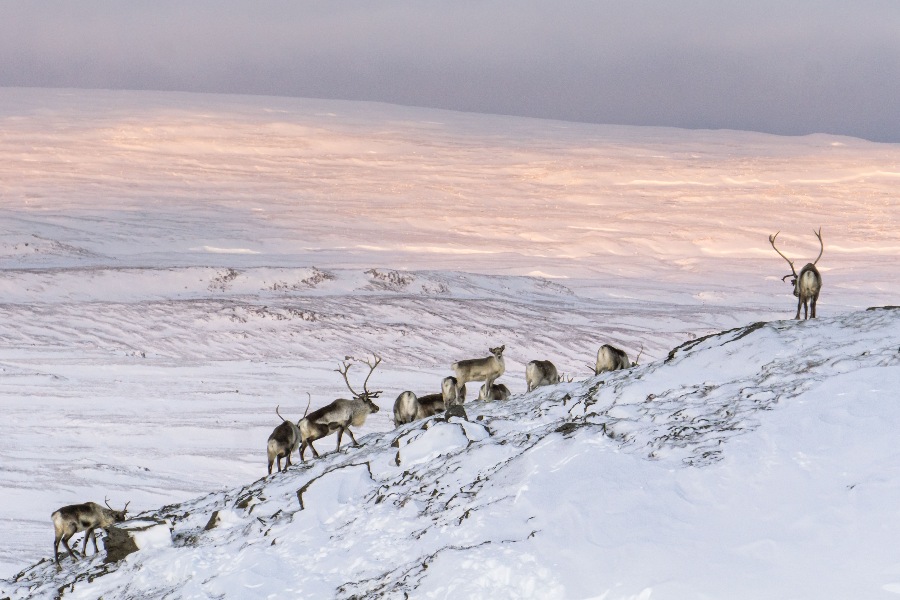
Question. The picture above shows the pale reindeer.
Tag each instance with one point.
(69, 520)
(498, 391)
(808, 283)
(408, 407)
(283, 442)
(480, 369)
(540, 372)
(610, 358)
(340, 414)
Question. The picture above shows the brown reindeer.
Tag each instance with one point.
(808, 283)
(480, 369)
(69, 520)
(340, 414)
(283, 442)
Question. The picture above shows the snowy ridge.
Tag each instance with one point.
(556, 492)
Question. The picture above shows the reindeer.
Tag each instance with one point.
(408, 407)
(808, 283)
(498, 391)
(340, 414)
(283, 442)
(540, 372)
(480, 369)
(69, 520)
(610, 358)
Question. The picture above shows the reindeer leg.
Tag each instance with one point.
(56, 541)
(340, 433)
(87, 536)
(311, 447)
(355, 443)
(799, 304)
(65, 541)
(95, 543)
(814, 299)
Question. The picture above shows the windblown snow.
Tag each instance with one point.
(174, 266)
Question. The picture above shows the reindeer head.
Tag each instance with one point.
(118, 515)
(498, 351)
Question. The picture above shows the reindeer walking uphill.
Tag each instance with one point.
(340, 414)
(808, 283)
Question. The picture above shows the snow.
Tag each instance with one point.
(174, 266)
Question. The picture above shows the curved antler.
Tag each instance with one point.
(789, 261)
(343, 373)
(821, 244)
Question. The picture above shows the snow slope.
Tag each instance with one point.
(759, 462)
(173, 266)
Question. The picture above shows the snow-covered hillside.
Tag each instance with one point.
(585, 489)
(174, 266)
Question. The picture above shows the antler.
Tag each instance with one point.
(343, 372)
(365, 393)
(790, 262)
(371, 369)
(821, 244)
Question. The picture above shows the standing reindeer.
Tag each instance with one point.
(340, 414)
(480, 369)
(540, 372)
(610, 358)
(283, 442)
(808, 283)
(69, 520)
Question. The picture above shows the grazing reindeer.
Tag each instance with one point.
(283, 442)
(408, 407)
(405, 408)
(610, 358)
(540, 372)
(480, 369)
(340, 414)
(808, 283)
(498, 391)
(69, 520)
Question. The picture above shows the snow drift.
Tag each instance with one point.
(756, 462)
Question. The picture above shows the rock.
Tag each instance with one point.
(137, 534)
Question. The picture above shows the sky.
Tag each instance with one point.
(779, 67)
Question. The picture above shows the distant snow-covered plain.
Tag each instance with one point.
(173, 266)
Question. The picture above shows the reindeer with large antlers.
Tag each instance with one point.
(69, 520)
(808, 283)
(340, 414)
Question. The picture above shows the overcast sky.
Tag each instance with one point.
(776, 66)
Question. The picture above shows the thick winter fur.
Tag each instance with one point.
(540, 372)
(480, 369)
(808, 283)
(806, 288)
(406, 406)
(498, 391)
(69, 520)
(337, 416)
(610, 358)
(283, 442)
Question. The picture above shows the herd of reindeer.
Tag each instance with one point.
(340, 415)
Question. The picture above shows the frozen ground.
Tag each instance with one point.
(173, 266)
